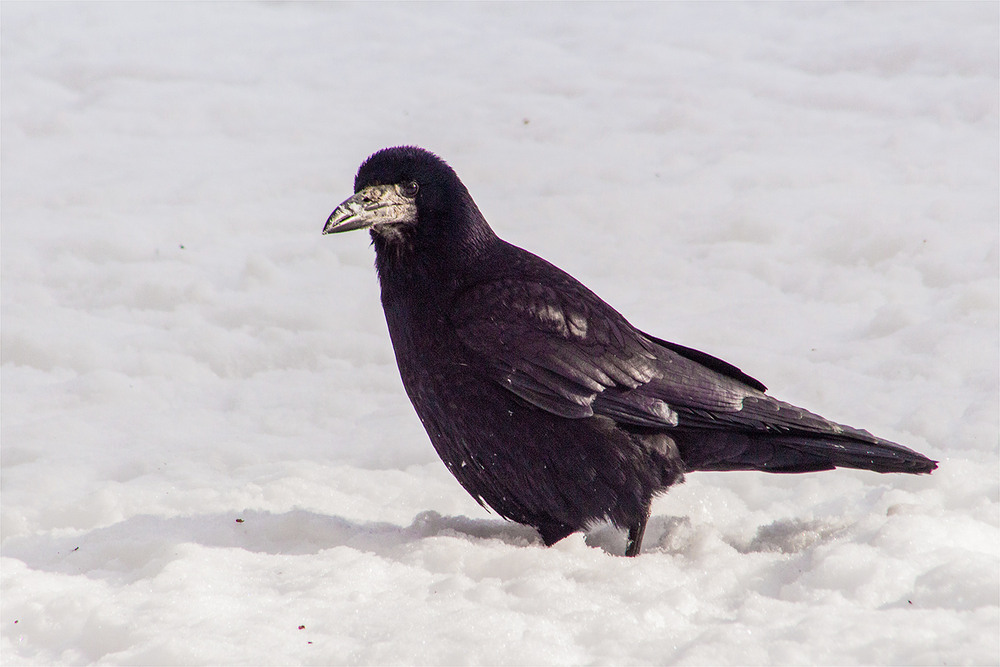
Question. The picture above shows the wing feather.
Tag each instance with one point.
(566, 351)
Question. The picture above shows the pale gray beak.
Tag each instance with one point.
(371, 207)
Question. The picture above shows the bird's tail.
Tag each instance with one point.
(877, 455)
(794, 452)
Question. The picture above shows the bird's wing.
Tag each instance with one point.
(564, 350)
(708, 361)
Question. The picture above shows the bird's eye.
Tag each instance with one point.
(409, 189)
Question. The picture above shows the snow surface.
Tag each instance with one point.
(207, 454)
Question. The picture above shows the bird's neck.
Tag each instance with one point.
(409, 266)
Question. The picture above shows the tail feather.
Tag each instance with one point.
(877, 455)
(799, 453)
(774, 436)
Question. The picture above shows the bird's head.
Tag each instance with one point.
(410, 198)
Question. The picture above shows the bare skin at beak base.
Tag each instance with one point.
(371, 207)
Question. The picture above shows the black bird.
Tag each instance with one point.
(543, 401)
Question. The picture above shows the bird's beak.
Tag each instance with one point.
(371, 207)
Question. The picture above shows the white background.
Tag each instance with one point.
(207, 454)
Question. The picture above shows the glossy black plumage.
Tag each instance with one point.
(542, 400)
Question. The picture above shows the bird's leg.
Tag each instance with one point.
(553, 532)
(635, 532)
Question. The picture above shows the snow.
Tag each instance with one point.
(207, 455)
